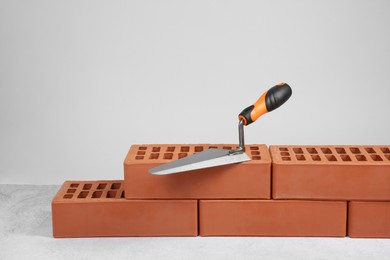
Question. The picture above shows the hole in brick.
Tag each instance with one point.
(115, 186)
(345, 158)
(97, 194)
(256, 158)
(354, 150)
(74, 185)
(227, 147)
(326, 150)
(387, 156)
(168, 156)
(298, 150)
(101, 186)
(83, 195)
(198, 149)
(376, 157)
(316, 158)
(182, 155)
(156, 149)
(360, 157)
(285, 154)
(170, 148)
(370, 150)
(141, 153)
(254, 148)
(312, 150)
(383, 149)
(286, 158)
(87, 186)
(331, 158)
(255, 153)
(111, 194)
(123, 194)
(139, 157)
(142, 148)
(68, 196)
(185, 149)
(340, 150)
(71, 191)
(211, 147)
(283, 149)
(300, 157)
(154, 156)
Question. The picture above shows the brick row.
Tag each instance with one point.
(98, 208)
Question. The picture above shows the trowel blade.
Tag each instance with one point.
(205, 159)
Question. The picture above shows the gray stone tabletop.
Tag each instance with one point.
(25, 233)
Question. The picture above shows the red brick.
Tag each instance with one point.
(99, 209)
(331, 172)
(272, 218)
(243, 180)
(369, 219)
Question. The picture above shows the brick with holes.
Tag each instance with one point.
(369, 219)
(99, 209)
(272, 218)
(243, 180)
(331, 172)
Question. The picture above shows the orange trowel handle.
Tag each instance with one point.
(270, 100)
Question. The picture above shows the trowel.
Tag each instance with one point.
(268, 101)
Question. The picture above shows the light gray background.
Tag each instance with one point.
(80, 81)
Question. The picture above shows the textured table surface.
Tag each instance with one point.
(25, 233)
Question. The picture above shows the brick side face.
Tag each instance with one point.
(272, 218)
(369, 219)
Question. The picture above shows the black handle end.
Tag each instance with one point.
(277, 96)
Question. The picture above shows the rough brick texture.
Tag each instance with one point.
(99, 209)
(331, 172)
(369, 219)
(244, 180)
(272, 218)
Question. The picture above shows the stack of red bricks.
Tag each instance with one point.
(329, 191)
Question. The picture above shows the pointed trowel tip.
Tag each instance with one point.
(156, 171)
(160, 173)
(152, 171)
